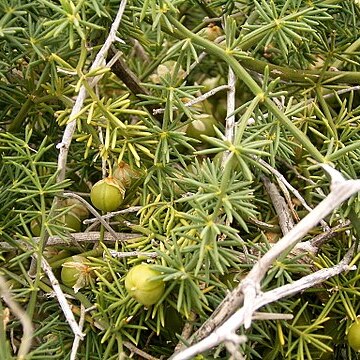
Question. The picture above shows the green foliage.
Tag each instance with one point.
(206, 220)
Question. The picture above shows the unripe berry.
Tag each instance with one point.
(140, 284)
(107, 194)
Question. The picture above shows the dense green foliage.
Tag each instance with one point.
(297, 64)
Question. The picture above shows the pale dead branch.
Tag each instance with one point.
(230, 116)
(64, 145)
(62, 299)
(223, 332)
(26, 323)
(247, 297)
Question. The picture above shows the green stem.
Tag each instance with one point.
(102, 234)
(250, 20)
(342, 151)
(109, 347)
(20, 117)
(94, 253)
(302, 76)
(347, 53)
(242, 74)
(327, 112)
(284, 73)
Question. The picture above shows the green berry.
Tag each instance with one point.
(140, 284)
(353, 336)
(107, 194)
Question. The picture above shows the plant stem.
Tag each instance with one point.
(21, 115)
(301, 76)
(94, 253)
(241, 73)
(347, 53)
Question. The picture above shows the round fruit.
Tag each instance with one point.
(167, 69)
(202, 125)
(75, 273)
(107, 194)
(71, 221)
(53, 254)
(78, 208)
(211, 83)
(353, 336)
(140, 284)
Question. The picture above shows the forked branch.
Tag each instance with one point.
(247, 297)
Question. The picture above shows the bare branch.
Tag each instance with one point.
(94, 212)
(87, 237)
(121, 70)
(64, 145)
(77, 339)
(186, 331)
(282, 180)
(61, 299)
(230, 116)
(221, 334)
(122, 254)
(232, 344)
(28, 329)
(133, 83)
(114, 213)
(286, 221)
(340, 191)
(271, 316)
(196, 100)
(139, 352)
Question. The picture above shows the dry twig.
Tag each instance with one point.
(249, 294)
(87, 237)
(114, 213)
(28, 329)
(139, 352)
(286, 221)
(230, 116)
(222, 333)
(281, 179)
(197, 99)
(94, 212)
(77, 339)
(124, 254)
(64, 145)
(62, 300)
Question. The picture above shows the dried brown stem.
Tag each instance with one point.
(139, 352)
(132, 82)
(87, 237)
(286, 221)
